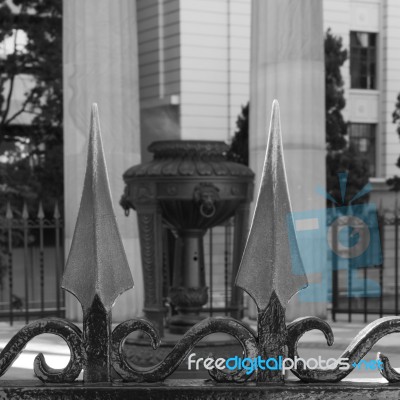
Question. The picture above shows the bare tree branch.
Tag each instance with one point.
(11, 89)
(8, 101)
(16, 114)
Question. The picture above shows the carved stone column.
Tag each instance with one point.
(100, 65)
(287, 64)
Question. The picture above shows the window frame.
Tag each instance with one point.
(358, 134)
(363, 62)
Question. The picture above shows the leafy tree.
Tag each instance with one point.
(341, 156)
(336, 127)
(32, 151)
(239, 149)
(348, 160)
(30, 130)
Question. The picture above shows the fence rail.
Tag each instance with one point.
(346, 300)
(32, 260)
(31, 265)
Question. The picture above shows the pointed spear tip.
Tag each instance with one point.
(271, 260)
(40, 214)
(275, 111)
(56, 214)
(95, 131)
(97, 264)
(275, 126)
(25, 212)
(94, 113)
(9, 213)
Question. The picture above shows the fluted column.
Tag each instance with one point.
(287, 63)
(100, 65)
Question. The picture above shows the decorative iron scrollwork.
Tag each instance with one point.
(162, 370)
(354, 352)
(387, 371)
(63, 328)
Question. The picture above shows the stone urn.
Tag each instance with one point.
(191, 187)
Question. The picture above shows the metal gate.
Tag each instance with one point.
(31, 264)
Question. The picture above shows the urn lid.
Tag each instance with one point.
(196, 158)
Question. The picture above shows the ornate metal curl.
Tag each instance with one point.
(354, 352)
(387, 371)
(66, 330)
(172, 361)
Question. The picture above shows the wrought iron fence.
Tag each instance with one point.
(31, 264)
(97, 272)
(32, 256)
(362, 301)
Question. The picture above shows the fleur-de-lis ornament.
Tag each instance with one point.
(97, 270)
(271, 271)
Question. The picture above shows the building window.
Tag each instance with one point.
(362, 137)
(363, 60)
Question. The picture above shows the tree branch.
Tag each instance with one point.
(10, 92)
(8, 101)
(22, 110)
(19, 112)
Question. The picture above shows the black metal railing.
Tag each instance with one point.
(31, 264)
(218, 247)
(385, 301)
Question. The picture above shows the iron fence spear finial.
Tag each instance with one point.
(271, 271)
(9, 213)
(56, 213)
(97, 271)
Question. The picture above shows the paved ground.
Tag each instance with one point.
(312, 345)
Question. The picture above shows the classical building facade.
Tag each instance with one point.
(370, 31)
(194, 64)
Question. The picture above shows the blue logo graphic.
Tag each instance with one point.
(372, 365)
(340, 238)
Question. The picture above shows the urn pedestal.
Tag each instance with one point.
(191, 187)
